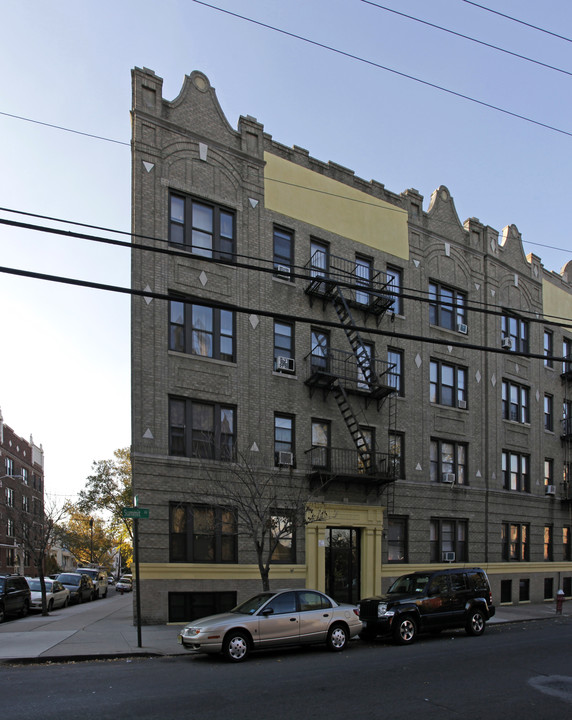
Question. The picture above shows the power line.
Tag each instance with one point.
(516, 20)
(467, 37)
(441, 88)
(475, 306)
(65, 129)
(233, 307)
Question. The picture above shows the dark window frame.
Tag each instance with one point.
(438, 388)
(184, 440)
(397, 460)
(517, 329)
(516, 479)
(287, 530)
(447, 312)
(282, 445)
(280, 258)
(223, 247)
(438, 544)
(395, 376)
(548, 347)
(182, 335)
(548, 543)
(397, 539)
(186, 547)
(515, 411)
(439, 467)
(515, 542)
(395, 285)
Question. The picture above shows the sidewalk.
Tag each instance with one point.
(104, 629)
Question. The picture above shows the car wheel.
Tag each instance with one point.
(2, 614)
(25, 609)
(368, 635)
(66, 603)
(50, 605)
(404, 630)
(236, 646)
(79, 598)
(337, 637)
(475, 622)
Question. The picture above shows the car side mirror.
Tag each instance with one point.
(268, 611)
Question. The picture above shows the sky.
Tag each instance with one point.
(347, 80)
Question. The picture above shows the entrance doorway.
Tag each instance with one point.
(343, 564)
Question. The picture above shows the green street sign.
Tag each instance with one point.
(135, 513)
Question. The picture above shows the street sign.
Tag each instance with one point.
(135, 513)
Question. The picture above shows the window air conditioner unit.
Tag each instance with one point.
(551, 489)
(285, 364)
(462, 404)
(283, 269)
(448, 478)
(285, 458)
(462, 328)
(507, 343)
(448, 557)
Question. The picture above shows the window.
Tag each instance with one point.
(397, 540)
(548, 413)
(282, 538)
(549, 588)
(514, 334)
(548, 472)
(548, 544)
(395, 285)
(567, 586)
(395, 374)
(363, 278)
(201, 330)
(447, 384)
(524, 590)
(202, 534)
(396, 455)
(203, 228)
(448, 540)
(567, 418)
(516, 471)
(284, 346)
(10, 527)
(188, 606)
(506, 591)
(283, 251)
(9, 466)
(25, 503)
(201, 430)
(321, 444)
(514, 541)
(447, 307)
(548, 349)
(567, 354)
(10, 556)
(25, 477)
(448, 462)
(566, 544)
(320, 353)
(319, 258)
(515, 405)
(9, 497)
(283, 440)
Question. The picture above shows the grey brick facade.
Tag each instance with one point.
(186, 147)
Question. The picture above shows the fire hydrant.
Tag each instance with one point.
(559, 601)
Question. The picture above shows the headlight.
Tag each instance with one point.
(381, 609)
(191, 631)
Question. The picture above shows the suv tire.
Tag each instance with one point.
(404, 630)
(475, 622)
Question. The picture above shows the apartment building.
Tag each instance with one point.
(409, 371)
(22, 494)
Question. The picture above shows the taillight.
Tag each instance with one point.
(356, 611)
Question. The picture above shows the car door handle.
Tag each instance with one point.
(293, 619)
(326, 614)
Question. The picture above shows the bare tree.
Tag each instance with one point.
(268, 505)
(36, 535)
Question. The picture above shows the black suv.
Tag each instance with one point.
(429, 602)
(14, 596)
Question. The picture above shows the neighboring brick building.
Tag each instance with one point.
(22, 494)
(339, 338)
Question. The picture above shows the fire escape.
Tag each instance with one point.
(353, 376)
(566, 433)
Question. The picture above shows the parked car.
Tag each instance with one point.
(14, 596)
(124, 584)
(270, 619)
(57, 595)
(429, 602)
(99, 580)
(110, 580)
(79, 585)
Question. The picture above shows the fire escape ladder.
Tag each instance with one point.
(362, 356)
(364, 451)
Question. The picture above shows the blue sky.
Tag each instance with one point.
(64, 359)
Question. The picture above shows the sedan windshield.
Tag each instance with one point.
(251, 606)
(69, 579)
(409, 584)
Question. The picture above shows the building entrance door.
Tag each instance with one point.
(343, 564)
